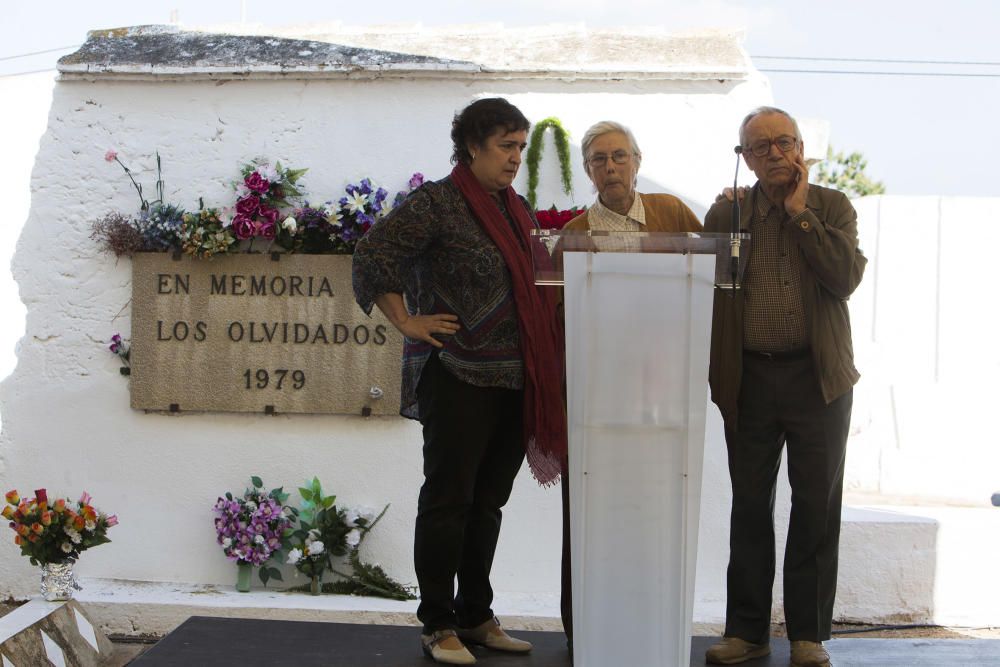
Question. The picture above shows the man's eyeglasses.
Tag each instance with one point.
(762, 147)
(600, 159)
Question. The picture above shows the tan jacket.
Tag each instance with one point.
(826, 236)
(664, 213)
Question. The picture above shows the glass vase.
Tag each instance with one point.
(244, 571)
(57, 581)
(316, 584)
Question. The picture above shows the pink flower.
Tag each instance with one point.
(112, 520)
(84, 499)
(111, 155)
(416, 180)
(268, 230)
(256, 182)
(243, 227)
(248, 205)
(268, 215)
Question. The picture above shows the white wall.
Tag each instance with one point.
(925, 329)
(66, 421)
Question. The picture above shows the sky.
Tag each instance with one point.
(921, 133)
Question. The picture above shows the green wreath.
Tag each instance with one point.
(535, 155)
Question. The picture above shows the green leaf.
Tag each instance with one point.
(257, 483)
(305, 493)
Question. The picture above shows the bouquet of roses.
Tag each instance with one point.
(253, 528)
(260, 196)
(56, 532)
(553, 218)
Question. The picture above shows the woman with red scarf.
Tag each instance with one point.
(482, 366)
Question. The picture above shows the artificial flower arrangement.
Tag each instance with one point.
(253, 528)
(121, 350)
(553, 218)
(57, 531)
(266, 207)
(327, 531)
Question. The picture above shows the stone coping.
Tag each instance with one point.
(555, 52)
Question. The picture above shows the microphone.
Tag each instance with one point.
(734, 234)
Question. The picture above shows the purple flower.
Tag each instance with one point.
(416, 180)
(256, 182)
(366, 186)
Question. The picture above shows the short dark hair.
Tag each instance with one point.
(482, 119)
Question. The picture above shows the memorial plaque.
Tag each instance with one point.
(274, 333)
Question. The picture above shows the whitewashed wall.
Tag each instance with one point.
(66, 421)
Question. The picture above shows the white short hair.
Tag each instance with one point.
(763, 111)
(600, 129)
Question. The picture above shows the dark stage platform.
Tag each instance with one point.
(214, 642)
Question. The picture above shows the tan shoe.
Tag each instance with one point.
(733, 650)
(445, 647)
(491, 635)
(809, 654)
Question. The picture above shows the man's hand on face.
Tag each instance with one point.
(795, 200)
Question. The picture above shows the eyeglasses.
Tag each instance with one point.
(762, 147)
(600, 159)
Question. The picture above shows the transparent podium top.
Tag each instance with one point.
(548, 246)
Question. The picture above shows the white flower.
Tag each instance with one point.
(242, 190)
(66, 547)
(251, 505)
(259, 539)
(316, 548)
(351, 517)
(357, 202)
(90, 524)
(367, 513)
(313, 535)
(354, 538)
(227, 542)
(290, 224)
(72, 534)
(268, 172)
(294, 556)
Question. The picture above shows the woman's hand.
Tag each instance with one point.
(417, 327)
(423, 327)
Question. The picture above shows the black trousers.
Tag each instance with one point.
(781, 404)
(473, 449)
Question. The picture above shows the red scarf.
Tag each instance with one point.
(541, 338)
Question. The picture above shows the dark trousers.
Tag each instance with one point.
(781, 404)
(473, 448)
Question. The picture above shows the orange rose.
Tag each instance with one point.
(7, 512)
(46, 518)
(12, 497)
(37, 528)
(60, 506)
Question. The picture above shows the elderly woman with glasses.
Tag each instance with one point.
(611, 158)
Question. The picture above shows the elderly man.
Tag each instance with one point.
(611, 158)
(782, 373)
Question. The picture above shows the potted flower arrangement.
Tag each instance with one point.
(326, 531)
(252, 529)
(54, 534)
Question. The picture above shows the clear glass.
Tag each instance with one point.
(548, 246)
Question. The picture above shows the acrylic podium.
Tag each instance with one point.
(638, 311)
